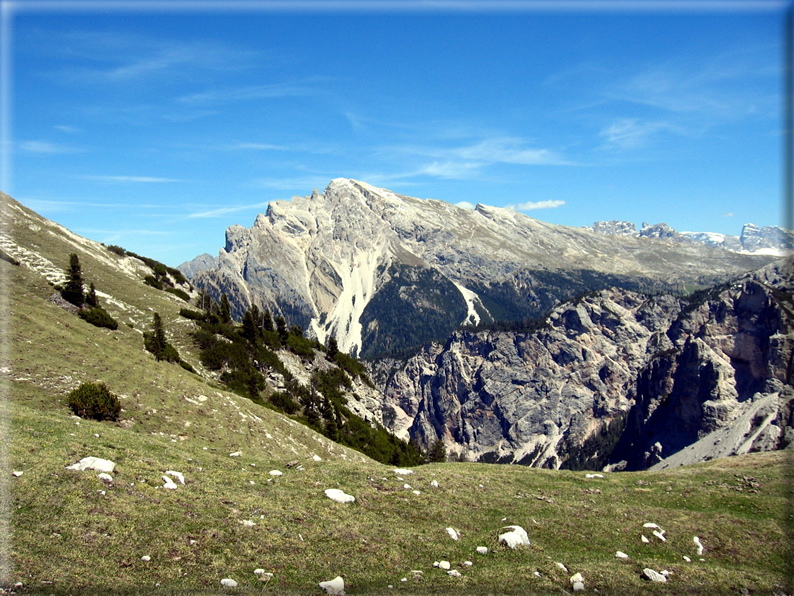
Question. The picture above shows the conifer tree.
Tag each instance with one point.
(226, 310)
(333, 348)
(73, 292)
(91, 298)
(267, 321)
(281, 327)
(158, 345)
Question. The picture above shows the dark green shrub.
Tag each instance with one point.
(300, 346)
(283, 401)
(99, 317)
(117, 249)
(95, 401)
(187, 366)
(150, 280)
(181, 293)
(73, 291)
(193, 315)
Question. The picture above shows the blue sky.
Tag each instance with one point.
(157, 129)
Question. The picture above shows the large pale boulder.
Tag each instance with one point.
(515, 536)
(94, 463)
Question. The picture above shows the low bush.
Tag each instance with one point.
(181, 293)
(99, 317)
(95, 401)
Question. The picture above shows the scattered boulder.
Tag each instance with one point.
(454, 573)
(105, 477)
(653, 576)
(467, 563)
(339, 496)
(483, 550)
(334, 587)
(517, 536)
(146, 558)
(593, 475)
(644, 538)
(228, 583)
(660, 535)
(236, 454)
(178, 475)
(651, 526)
(317, 458)
(168, 483)
(621, 555)
(434, 483)
(17, 473)
(578, 586)
(276, 473)
(697, 542)
(453, 534)
(577, 577)
(93, 463)
(561, 566)
(687, 559)
(403, 471)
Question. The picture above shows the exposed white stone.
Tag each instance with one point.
(17, 473)
(454, 573)
(259, 571)
(651, 525)
(146, 558)
(621, 555)
(403, 471)
(334, 587)
(168, 483)
(93, 463)
(407, 486)
(483, 550)
(517, 536)
(178, 475)
(467, 563)
(228, 583)
(276, 473)
(578, 586)
(445, 565)
(561, 566)
(248, 523)
(105, 477)
(644, 538)
(317, 458)
(434, 483)
(236, 454)
(653, 576)
(697, 542)
(666, 573)
(687, 559)
(339, 496)
(593, 475)
(576, 577)
(659, 535)
(453, 533)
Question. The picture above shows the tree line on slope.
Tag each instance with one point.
(244, 353)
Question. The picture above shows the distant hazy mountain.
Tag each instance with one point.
(384, 273)
(768, 240)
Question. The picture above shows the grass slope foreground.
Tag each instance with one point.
(253, 497)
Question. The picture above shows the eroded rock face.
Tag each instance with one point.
(645, 377)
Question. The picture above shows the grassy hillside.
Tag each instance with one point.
(72, 533)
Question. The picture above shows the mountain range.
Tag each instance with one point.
(385, 273)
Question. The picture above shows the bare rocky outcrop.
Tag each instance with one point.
(616, 377)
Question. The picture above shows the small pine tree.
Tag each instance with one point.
(281, 327)
(158, 341)
(91, 298)
(333, 348)
(226, 309)
(73, 292)
(267, 321)
(250, 331)
(438, 452)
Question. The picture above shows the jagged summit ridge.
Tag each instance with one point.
(382, 271)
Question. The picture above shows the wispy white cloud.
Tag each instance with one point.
(134, 179)
(729, 214)
(66, 129)
(533, 206)
(628, 133)
(46, 147)
(249, 92)
(225, 210)
(465, 205)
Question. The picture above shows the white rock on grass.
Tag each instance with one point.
(17, 473)
(228, 583)
(402, 471)
(576, 577)
(578, 586)
(433, 483)
(248, 523)
(168, 483)
(334, 587)
(659, 535)
(593, 475)
(697, 542)
(93, 463)
(105, 477)
(416, 492)
(445, 565)
(453, 534)
(236, 454)
(483, 550)
(561, 566)
(339, 496)
(467, 563)
(687, 559)
(517, 536)
(178, 475)
(621, 555)
(146, 558)
(454, 573)
(317, 458)
(644, 538)
(651, 526)
(653, 576)
(276, 473)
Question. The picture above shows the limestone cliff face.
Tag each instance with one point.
(616, 376)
